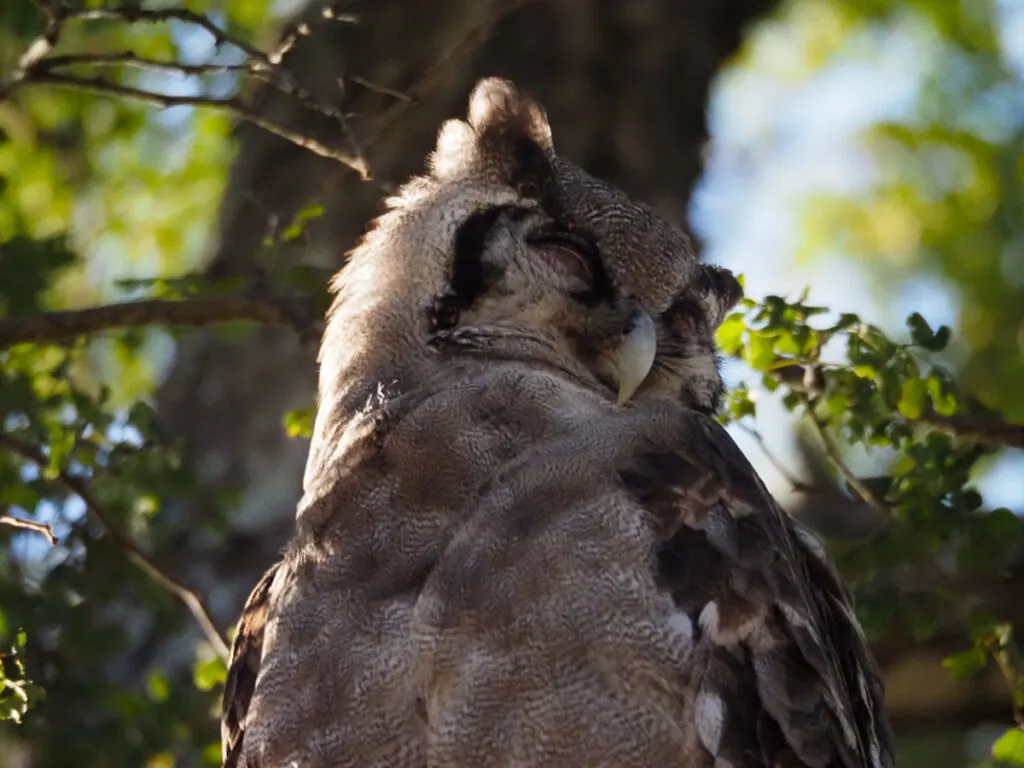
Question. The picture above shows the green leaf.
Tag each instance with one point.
(157, 685)
(1009, 748)
(913, 395)
(846, 320)
(27, 268)
(729, 335)
(941, 339)
(761, 351)
(903, 465)
(211, 755)
(964, 665)
(299, 423)
(920, 331)
(209, 673)
(298, 225)
(941, 392)
(739, 404)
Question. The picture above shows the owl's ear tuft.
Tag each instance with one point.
(514, 134)
(506, 139)
(719, 292)
(497, 109)
(456, 150)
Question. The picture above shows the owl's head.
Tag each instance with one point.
(473, 254)
(504, 244)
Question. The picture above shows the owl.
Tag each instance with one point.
(523, 539)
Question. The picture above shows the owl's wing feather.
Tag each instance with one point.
(781, 674)
(246, 654)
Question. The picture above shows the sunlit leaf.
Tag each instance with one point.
(966, 664)
(913, 396)
(299, 423)
(1009, 748)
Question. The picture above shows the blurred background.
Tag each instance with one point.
(870, 150)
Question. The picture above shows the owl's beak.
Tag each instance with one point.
(635, 355)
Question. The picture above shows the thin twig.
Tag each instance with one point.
(851, 479)
(301, 29)
(1001, 652)
(55, 14)
(258, 62)
(795, 483)
(370, 85)
(440, 69)
(130, 59)
(132, 14)
(231, 105)
(131, 549)
(296, 312)
(29, 525)
(35, 68)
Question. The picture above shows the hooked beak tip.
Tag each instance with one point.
(636, 356)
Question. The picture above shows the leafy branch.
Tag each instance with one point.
(17, 692)
(832, 452)
(79, 486)
(967, 427)
(892, 396)
(37, 67)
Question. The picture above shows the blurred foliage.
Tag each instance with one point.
(102, 200)
(947, 195)
(98, 196)
(17, 693)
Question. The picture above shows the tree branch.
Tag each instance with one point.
(851, 479)
(36, 68)
(973, 429)
(131, 549)
(297, 31)
(132, 14)
(234, 106)
(29, 525)
(130, 59)
(976, 429)
(795, 483)
(296, 312)
(440, 69)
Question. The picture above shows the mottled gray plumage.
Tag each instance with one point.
(495, 562)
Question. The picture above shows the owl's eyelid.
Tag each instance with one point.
(566, 260)
(570, 254)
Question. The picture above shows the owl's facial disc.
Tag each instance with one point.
(625, 363)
